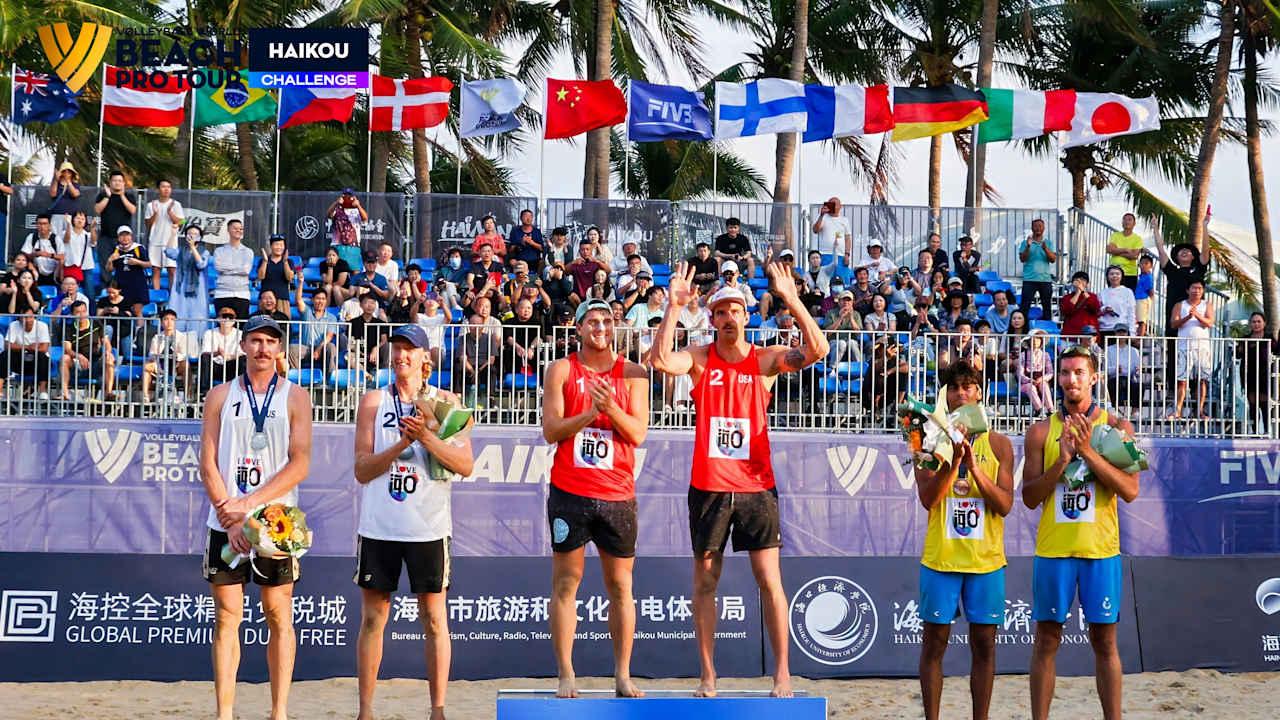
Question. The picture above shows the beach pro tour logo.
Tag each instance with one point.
(1268, 596)
(112, 452)
(28, 615)
(853, 471)
(74, 60)
(833, 620)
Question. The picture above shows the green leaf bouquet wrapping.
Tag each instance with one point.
(932, 432)
(1116, 446)
(452, 419)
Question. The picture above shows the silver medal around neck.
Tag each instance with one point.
(407, 453)
(259, 441)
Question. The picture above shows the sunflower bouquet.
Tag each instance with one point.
(274, 531)
(1115, 446)
(932, 432)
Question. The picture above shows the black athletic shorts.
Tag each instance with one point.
(751, 518)
(378, 564)
(576, 520)
(270, 572)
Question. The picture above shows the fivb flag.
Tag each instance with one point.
(846, 110)
(666, 112)
(1102, 116)
(763, 107)
(488, 106)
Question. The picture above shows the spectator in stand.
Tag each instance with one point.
(189, 291)
(1035, 369)
(1125, 247)
(886, 376)
(128, 265)
(275, 273)
(730, 277)
(559, 286)
(114, 307)
(269, 304)
(64, 188)
(115, 207)
(989, 349)
(520, 340)
(27, 353)
(960, 346)
(370, 282)
(403, 309)
(521, 278)
(902, 298)
(780, 330)
(1089, 341)
(1142, 296)
(1124, 367)
(433, 321)
(624, 282)
(387, 267)
(485, 274)
(622, 263)
(473, 365)
(940, 259)
(483, 310)
(600, 251)
(601, 287)
(817, 282)
(68, 295)
(234, 262)
(87, 348)
(1079, 307)
(314, 342)
(221, 358)
(45, 249)
(733, 245)
(833, 299)
(346, 216)
(413, 273)
(490, 236)
(525, 242)
(167, 356)
(706, 269)
(1187, 265)
(954, 310)
(1037, 256)
(879, 320)
(1192, 318)
(937, 290)
(1118, 304)
(639, 314)
(967, 263)
(833, 233)
(922, 323)
(924, 268)
(164, 219)
(881, 268)
(997, 316)
(558, 251)
(1011, 342)
(454, 276)
(862, 290)
(788, 260)
(79, 242)
(583, 270)
(20, 262)
(1256, 351)
(636, 291)
(335, 277)
(839, 324)
(368, 335)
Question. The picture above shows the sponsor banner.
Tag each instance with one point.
(95, 617)
(442, 222)
(861, 616)
(304, 221)
(649, 223)
(78, 485)
(1209, 613)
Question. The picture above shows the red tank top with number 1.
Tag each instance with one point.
(731, 442)
(596, 462)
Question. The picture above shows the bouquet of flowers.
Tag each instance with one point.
(274, 531)
(451, 419)
(1116, 446)
(932, 432)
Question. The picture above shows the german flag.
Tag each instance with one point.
(929, 111)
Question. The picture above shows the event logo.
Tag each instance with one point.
(307, 227)
(74, 61)
(852, 473)
(1268, 596)
(833, 620)
(28, 615)
(112, 455)
(1255, 466)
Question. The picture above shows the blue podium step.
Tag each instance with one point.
(658, 705)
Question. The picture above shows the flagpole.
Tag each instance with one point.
(102, 115)
(542, 157)
(275, 213)
(368, 147)
(715, 167)
(13, 135)
(191, 151)
(462, 88)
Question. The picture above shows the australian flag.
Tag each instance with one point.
(41, 98)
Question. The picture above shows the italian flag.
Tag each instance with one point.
(1018, 114)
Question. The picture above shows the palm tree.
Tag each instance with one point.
(1213, 122)
(678, 170)
(977, 180)
(1257, 33)
(785, 146)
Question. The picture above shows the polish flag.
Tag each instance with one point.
(408, 104)
(147, 106)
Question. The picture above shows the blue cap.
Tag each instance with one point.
(412, 334)
(588, 306)
(263, 323)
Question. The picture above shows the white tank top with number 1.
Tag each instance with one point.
(243, 468)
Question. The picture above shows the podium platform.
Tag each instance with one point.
(658, 705)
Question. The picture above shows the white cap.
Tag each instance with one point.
(124, 229)
(728, 265)
(727, 294)
(874, 243)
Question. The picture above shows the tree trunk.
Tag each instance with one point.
(244, 151)
(1077, 189)
(1257, 187)
(977, 178)
(935, 180)
(413, 40)
(785, 144)
(381, 155)
(181, 144)
(595, 176)
(1213, 124)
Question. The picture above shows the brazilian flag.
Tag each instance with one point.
(231, 103)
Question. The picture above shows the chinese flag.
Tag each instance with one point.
(576, 106)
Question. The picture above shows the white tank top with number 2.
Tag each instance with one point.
(243, 468)
(403, 504)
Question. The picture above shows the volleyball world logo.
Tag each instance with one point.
(74, 60)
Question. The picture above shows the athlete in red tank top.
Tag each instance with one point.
(596, 462)
(731, 444)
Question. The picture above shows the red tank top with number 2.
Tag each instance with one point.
(731, 442)
(596, 462)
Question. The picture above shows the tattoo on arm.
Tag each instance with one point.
(794, 359)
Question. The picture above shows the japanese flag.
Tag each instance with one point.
(1102, 116)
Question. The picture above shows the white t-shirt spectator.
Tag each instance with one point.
(45, 265)
(78, 252)
(350, 310)
(834, 236)
(18, 335)
(434, 325)
(162, 232)
(1120, 299)
(228, 343)
(875, 267)
(618, 267)
(162, 344)
(1122, 361)
(389, 270)
(233, 265)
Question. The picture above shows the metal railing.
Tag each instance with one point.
(498, 369)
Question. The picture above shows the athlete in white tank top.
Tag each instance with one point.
(244, 467)
(404, 503)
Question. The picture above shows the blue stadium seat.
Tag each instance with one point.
(754, 321)
(758, 283)
(1048, 326)
(128, 372)
(295, 261)
(1035, 312)
(999, 390)
(520, 381)
(831, 386)
(457, 315)
(995, 285)
(307, 377)
(661, 269)
(158, 297)
(384, 377)
(343, 379)
(982, 299)
(49, 291)
(987, 277)
(440, 378)
(427, 264)
(850, 369)
(149, 310)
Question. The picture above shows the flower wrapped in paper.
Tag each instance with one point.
(1115, 446)
(450, 419)
(932, 432)
(273, 531)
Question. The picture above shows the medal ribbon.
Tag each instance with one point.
(260, 416)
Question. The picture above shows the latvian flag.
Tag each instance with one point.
(144, 106)
(1019, 114)
(408, 104)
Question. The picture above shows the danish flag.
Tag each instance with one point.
(408, 104)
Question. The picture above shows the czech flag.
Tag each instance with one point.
(307, 105)
(928, 111)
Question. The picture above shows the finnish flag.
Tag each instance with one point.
(763, 107)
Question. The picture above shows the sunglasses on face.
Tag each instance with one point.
(227, 317)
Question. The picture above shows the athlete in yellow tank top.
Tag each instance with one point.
(963, 559)
(1078, 541)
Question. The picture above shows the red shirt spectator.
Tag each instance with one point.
(1079, 307)
(490, 236)
(583, 268)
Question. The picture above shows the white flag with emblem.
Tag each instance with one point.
(488, 107)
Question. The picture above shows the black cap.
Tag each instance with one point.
(263, 323)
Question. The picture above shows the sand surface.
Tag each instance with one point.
(1190, 694)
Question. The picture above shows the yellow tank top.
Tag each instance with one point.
(1080, 523)
(964, 535)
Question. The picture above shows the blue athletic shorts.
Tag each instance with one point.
(941, 592)
(1055, 580)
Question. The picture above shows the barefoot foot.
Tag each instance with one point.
(706, 689)
(782, 687)
(568, 687)
(626, 688)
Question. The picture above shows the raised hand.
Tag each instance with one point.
(681, 291)
(784, 284)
